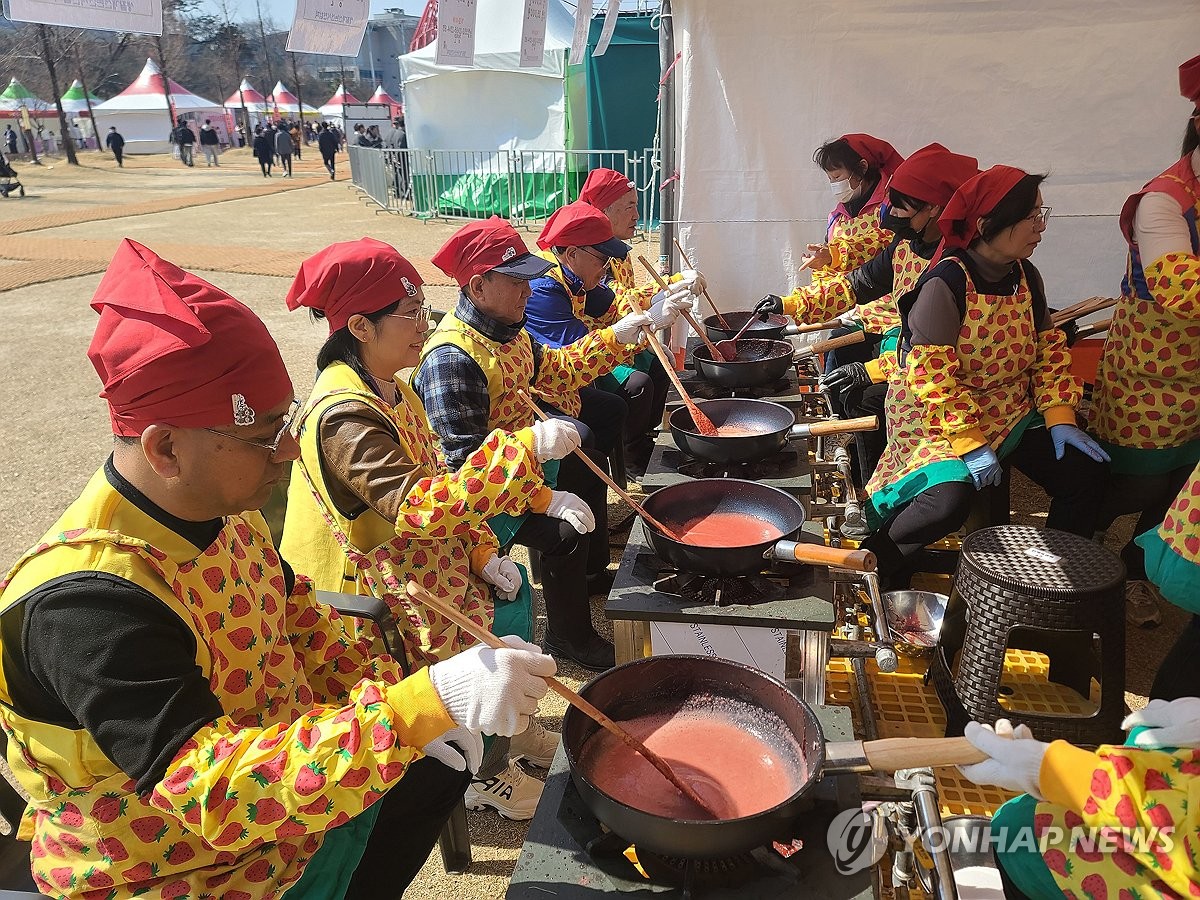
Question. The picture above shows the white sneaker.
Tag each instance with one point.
(511, 793)
(536, 745)
(1141, 604)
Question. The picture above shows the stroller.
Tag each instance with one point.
(8, 179)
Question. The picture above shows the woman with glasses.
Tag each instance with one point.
(985, 378)
(371, 504)
(1147, 397)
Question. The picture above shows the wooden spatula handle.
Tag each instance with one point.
(845, 340)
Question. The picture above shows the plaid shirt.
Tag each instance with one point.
(454, 388)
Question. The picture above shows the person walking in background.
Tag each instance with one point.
(327, 143)
(209, 142)
(77, 134)
(116, 143)
(295, 133)
(264, 150)
(51, 143)
(284, 148)
(183, 138)
(10, 140)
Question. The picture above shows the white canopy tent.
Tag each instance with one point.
(140, 112)
(1083, 90)
(496, 105)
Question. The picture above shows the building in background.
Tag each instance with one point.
(388, 35)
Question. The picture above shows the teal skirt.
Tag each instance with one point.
(504, 526)
(1138, 461)
(328, 873)
(641, 363)
(1176, 578)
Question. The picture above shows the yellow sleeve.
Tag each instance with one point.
(859, 247)
(823, 300)
(932, 376)
(1053, 383)
(564, 370)
(500, 476)
(1174, 282)
(237, 788)
(883, 367)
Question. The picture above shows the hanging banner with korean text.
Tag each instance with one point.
(456, 32)
(136, 16)
(610, 25)
(583, 21)
(329, 27)
(533, 34)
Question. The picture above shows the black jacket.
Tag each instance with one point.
(114, 141)
(264, 146)
(209, 136)
(327, 143)
(183, 135)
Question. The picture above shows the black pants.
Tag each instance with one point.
(603, 416)
(868, 445)
(265, 165)
(118, 153)
(864, 352)
(1152, 496)
(285, 162)
(645, 394)
(409, 823)
(328, 159)
(1178, 675)
(1073, 484)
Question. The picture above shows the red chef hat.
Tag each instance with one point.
(485, 246)
(976, 198)
(873, 150)
(933, 174)
(580, 224)
(605, 187)
(170, 348)
(1189, 79)
(362, 277)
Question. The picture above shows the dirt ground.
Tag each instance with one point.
(246, 235)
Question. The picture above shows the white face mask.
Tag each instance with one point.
(842, 191)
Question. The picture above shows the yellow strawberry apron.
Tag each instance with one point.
(440, 529)
(995, 352)
(89, 829)
(1173, 549)
(1146, 403)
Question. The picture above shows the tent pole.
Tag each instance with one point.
(666, 129)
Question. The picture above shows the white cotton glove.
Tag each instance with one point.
(569, 508)
(1171, 723)
(503, 574)
(666, 306)
(493, 691)
(694, 281)
(466, 751)
(554, 439)
(628, 330)
(1016, 757)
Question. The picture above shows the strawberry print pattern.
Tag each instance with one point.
(630, 297)
(856, 241)
(999, 370)
(1129, 789)
(1180, 529)
(441, 520)
(308, 740)
(1147, 393)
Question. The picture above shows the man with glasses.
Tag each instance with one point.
(471, 370)
(571, 300)
(188, 719)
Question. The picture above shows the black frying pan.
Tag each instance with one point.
(759, 361)
(680, 504)
(775, 327)
(757, 703)
(772, 423)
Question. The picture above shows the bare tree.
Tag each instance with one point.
(51, 57)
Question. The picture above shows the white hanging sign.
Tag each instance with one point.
(136, 16)
(329, 27)
(583, 20)
(610, 25)
(533, 34)
(456, 32)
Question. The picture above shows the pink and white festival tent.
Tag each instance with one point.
(382, 96)
(140, 112)
(283, 102)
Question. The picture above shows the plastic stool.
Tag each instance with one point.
(1059, 590)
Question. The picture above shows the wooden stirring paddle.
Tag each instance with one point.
(430, 602)
(687, 262)
(718, 352)
(603, 476)
(702, 422)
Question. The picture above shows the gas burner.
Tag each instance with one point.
(784, 462)
(812, 406)
(703, 874)
(704, 390)
(714, 591)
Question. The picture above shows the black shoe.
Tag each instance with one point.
(600, 584)
(595, 655)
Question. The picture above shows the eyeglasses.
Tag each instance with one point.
(425, 312)
(599, 256)
(1039, 215)
(289, 421)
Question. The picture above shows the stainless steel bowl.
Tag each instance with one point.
(915, 619)
(969, 843)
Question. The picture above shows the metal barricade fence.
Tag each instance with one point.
(523, 186)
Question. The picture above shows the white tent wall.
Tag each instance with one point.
(1058, 86)
(149, 130)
